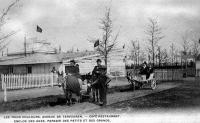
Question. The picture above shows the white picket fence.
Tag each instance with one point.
(13, 81)
(165, 75)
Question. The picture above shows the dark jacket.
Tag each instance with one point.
(144, 71)
(151, 70)
(73, 70)
(99, 70)
(99, 76)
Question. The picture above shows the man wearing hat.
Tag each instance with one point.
(99, 74)
(74, 69)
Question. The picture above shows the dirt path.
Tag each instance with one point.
(112, 98)
(14, 95)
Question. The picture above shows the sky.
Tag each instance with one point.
(70, 23)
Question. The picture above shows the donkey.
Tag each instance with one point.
(70, 86)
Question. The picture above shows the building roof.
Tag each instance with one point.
(32, 59)
(39, 58)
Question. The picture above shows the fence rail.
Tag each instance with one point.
(12, 81)
(198, 73)
(162, 74)
(165, 75)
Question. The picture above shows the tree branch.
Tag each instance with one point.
(7, 10)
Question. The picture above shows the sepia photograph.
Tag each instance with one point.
(99, 61)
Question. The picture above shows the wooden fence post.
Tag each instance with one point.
(115, 76)
(4, 88)
(52, 77)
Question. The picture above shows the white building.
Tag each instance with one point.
(116, 62)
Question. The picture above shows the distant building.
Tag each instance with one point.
(37, 63)
(40, 58)
(37, 57)
(31, 64)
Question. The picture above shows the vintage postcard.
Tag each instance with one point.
(99, 61)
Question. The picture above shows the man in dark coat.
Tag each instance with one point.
(144, 70)
(99, 73)
(73, 69)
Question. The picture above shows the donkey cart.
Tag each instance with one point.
(140, 81)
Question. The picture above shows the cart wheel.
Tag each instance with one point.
(153, 84)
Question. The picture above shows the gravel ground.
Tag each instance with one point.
(183, 99)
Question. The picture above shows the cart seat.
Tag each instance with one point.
(151, 76)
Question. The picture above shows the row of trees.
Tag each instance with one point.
(191, 43)
(154, 53)
(158, 55)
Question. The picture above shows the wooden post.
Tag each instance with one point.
(51, 74)
(4, 88)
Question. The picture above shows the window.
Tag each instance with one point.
(29, 69)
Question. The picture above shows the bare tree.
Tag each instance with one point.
(142, 56)
(154, 35)
(195, 45)
(159, 55)
(185, 42)
(3, 37)
(163, 56)
(177, 56)
(191, 43)
(108, 41)
(172, 52)
(135, 51)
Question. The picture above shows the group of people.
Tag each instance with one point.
(146, 69)
(99, 79)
